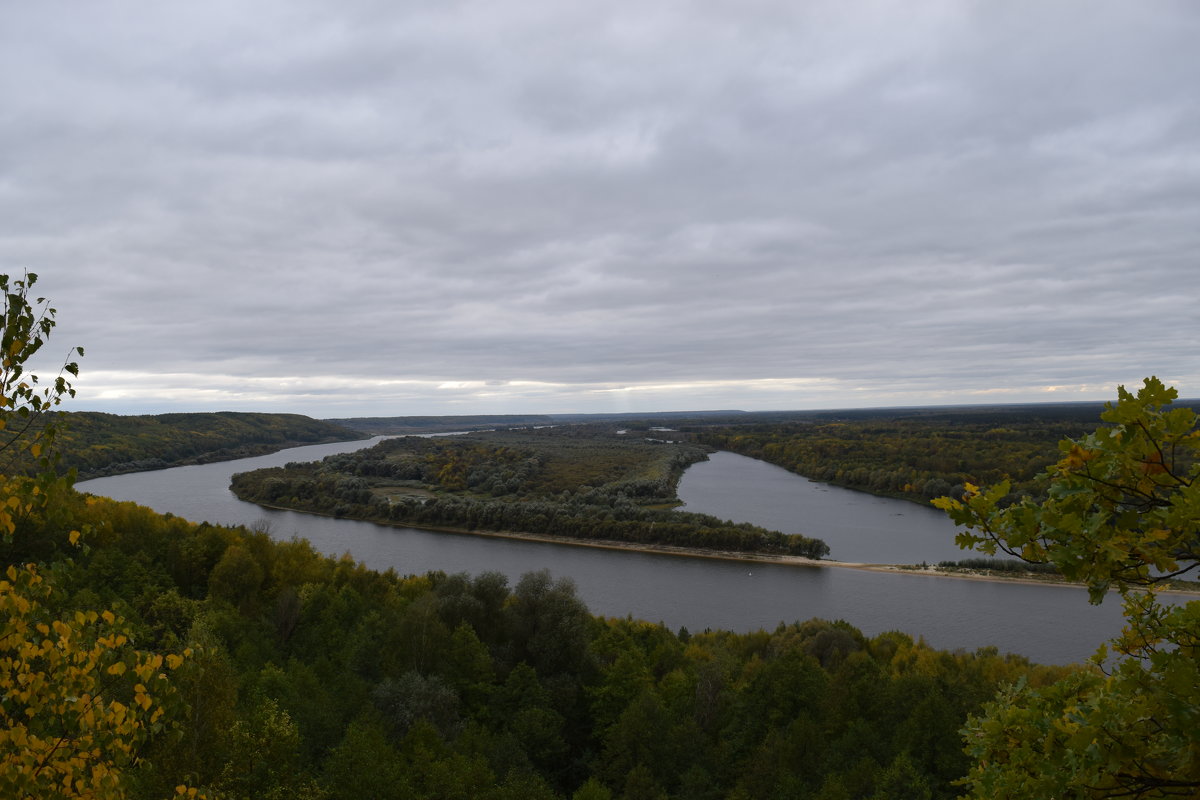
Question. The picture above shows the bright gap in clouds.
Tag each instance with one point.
(334, 396)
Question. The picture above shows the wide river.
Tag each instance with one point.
(1050, 624)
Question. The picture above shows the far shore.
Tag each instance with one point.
(733, 555)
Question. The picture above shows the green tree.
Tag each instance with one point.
(236, 578)
(592, 789)
(265, 757)
(1122, 513)
(365, 766)
(548, 623)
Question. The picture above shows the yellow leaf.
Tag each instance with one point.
(73, 537)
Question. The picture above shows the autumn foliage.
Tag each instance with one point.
(77, 699)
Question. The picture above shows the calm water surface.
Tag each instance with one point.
(857, 526)
(1048, 624)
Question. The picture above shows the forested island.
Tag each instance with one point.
(579, 482)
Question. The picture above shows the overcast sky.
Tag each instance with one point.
(382, 208)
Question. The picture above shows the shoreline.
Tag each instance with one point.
(726, 555)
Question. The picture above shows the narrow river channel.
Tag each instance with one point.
(1050, 624)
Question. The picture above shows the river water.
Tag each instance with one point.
(857, 526)
(1050, 624)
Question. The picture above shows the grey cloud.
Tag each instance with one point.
(904, 201)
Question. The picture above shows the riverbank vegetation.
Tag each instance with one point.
(578, 482)
(999, 565)
(913, 456)
(96, 444)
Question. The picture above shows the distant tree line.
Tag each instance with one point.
(1006, 565)
(96, 444)
(387, 426)
(914, 458)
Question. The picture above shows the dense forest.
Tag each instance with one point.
(581, 482)
(312, 677)
(96, 444)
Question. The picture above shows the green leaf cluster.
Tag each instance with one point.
(1122, 514)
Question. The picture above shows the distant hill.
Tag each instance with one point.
(98, 444)
(391, 426)
(387, 426)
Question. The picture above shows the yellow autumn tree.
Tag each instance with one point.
(77, 698)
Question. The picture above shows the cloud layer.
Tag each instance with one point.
(388, 208)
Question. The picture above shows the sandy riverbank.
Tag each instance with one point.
(795, 561)
(734, 555)
(768, 558)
